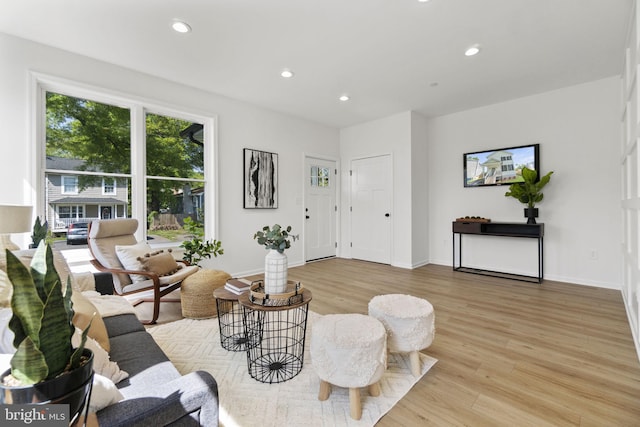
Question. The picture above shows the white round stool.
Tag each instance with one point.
(349, 350)
(409, 321)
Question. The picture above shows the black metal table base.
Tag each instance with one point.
(279, 355)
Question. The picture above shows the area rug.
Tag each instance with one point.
(244, 402)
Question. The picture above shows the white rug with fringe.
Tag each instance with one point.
(244, 402)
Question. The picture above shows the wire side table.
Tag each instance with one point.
(279, 355)
(232, 332)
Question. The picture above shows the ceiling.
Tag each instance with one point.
(389, 56)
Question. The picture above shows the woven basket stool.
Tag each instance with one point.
(196, 293)
(410, 324)
(349, 350)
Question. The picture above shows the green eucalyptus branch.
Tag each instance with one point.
(275, 237)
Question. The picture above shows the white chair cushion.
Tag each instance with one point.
(128, 256)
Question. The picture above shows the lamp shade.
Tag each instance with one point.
(15, 219)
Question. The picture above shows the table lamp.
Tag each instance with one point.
(13, 219)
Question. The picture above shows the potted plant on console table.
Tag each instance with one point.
(529, 192)
(45, 367)
(276, 240)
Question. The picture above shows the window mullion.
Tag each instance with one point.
(138, 169)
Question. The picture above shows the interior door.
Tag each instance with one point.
(371, 209)
(320, 208)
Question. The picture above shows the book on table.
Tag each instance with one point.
(238, 286)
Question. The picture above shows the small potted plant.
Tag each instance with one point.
(529, 192)
(197, 249)
(276, 240)
(45, 367)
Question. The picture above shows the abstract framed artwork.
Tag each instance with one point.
(260, 179)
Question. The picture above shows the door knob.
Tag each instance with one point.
(307, 216)
(387, 215)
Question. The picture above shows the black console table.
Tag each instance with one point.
(504, 229)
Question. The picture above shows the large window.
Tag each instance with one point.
(108, 157)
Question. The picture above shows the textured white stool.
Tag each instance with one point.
(409, 321)
(349, 350)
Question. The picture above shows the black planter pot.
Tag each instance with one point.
(531, 214)
(73, 388)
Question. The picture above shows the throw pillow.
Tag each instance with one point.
(103, 393)
(128, 256)
(101, 363)
(109, 305)
(84, 312)
(160, 262)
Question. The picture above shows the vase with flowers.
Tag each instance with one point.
(276, 240)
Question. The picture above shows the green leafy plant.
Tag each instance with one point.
(40, 232)
(529, 192)
(197, 249)
(275, 237)
(42, 320)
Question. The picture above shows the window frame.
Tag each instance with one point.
(138, 107)
(113, 185)
(63, 184)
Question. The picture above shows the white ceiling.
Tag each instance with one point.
(388, 55)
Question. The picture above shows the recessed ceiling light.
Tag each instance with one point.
(286, 73)
(344, 98)
(473, 50)
(181, 27)
(423, 1)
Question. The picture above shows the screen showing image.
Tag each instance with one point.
(499, 167)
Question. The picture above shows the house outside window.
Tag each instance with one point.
(69, 185)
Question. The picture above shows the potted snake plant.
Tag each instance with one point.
(45, 367)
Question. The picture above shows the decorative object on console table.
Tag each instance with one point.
(13, 219)
(472, 219)
(529, 192)
(45, 368)
(260, 179)
(276, 240)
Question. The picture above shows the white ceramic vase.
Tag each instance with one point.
(275, 272)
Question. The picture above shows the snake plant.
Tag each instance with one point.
(42, 320)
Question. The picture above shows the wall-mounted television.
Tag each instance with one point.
(502, 166)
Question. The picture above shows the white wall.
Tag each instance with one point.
(578, 129)
(393, 135)
(239, 126)
(419, 191)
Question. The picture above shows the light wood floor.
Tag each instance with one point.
(509, 353)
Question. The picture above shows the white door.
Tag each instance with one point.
(371, 209)
(320, 208)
